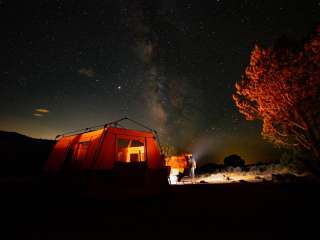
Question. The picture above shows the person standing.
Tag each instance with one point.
(193, 166)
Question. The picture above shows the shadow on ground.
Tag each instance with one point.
(265, 210)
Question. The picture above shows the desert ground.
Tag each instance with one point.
(241, 210)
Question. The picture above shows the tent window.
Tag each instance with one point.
(136, 143)
(129, 150)
(123, 143)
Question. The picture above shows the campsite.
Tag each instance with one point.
(159, 119)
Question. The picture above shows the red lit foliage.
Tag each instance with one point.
(281, 87)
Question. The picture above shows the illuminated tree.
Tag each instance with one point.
(281, 87)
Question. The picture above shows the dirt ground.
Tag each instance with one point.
(240, 210)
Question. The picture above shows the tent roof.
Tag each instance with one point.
(126, 131)
(113, 130)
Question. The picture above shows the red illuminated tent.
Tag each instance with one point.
(107, 148)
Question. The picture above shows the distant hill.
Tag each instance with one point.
(22, 155)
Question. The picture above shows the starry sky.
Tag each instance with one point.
(170, 64)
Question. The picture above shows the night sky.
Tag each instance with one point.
(170, 64)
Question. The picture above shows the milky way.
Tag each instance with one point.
(170, 64)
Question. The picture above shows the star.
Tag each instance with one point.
(174, 63)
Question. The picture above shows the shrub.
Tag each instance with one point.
(234, 160)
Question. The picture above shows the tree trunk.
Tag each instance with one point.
(311, 133)
(313, 163)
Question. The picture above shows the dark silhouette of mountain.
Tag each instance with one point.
(22, 155)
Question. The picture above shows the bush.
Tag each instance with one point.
(234, 160)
